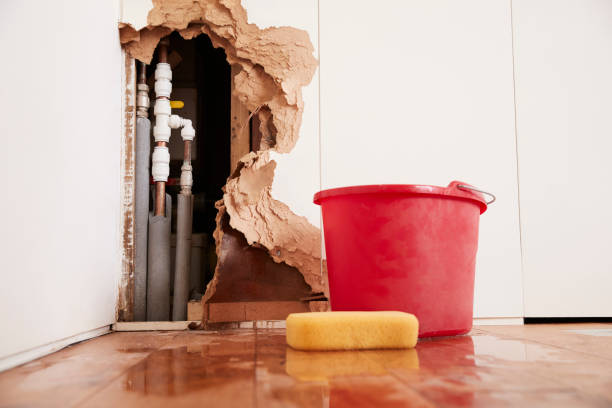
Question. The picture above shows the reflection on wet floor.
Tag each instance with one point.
(255, 368)
(324, 365)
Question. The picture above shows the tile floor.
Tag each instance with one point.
(526, 366)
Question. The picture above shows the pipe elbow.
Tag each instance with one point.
(187, 132)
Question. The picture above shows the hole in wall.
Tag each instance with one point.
(268, 69)
(200, 79)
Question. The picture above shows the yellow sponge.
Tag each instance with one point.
(351, 330)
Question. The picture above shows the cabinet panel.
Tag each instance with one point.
(563, 63)
(421, 92)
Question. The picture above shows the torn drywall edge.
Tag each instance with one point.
(262, 280)
(276, 63)
(135, 12)
(270, 223)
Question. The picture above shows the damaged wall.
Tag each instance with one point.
(276, 64)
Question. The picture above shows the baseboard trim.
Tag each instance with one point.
(498, 321)
(271, 324)
(183, 325)
(557, 320)
(152, 326)
(26, 356)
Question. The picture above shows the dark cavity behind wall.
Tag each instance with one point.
(204, 68)
(245, 273)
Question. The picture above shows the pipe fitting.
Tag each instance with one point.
(187, 132)
(163, 87)
(162, 107)
(161, 130)
(160, 168)
(163, 71)
(163, 78)
(186, 178)
(175, 121)
(142, 100)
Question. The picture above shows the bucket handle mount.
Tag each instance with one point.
(466, 187)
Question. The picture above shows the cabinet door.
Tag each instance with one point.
(421, 92)
(563, 58)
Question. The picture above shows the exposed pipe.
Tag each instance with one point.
(158, 277)
(184, 214)
(141, 195)
(158, 291)
(161, 131)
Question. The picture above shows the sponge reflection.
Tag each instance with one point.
(323, 365)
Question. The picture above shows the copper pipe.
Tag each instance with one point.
(142, 76)
(160, 191)
(160, 198)
(187, 151)
(160, 186)
(163, 50)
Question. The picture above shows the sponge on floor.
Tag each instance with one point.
(352, 330)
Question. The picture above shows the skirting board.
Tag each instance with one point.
(271, 324)
(498, 321)
(151, 326)
(182, 325)
(23, 357)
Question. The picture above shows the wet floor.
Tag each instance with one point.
(537, 365)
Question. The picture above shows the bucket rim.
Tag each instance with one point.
(451, 191)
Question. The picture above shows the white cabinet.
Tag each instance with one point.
(421, 92)
(563, 64)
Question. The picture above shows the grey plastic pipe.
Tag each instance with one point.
(141, 216)
(182, 266)
(158, 277)
(142, 155)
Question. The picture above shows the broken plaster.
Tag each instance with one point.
(275, 63)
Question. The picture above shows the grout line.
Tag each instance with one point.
(516, 150)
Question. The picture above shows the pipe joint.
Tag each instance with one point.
(187, 132)
(163, 87)
(160, 163)
(163, 71)
(161, 130)
(186, 178)
(142, 100)
(175, 121)
(162, 107)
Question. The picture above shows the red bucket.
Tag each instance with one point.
(404, 247)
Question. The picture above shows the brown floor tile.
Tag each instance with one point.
(493, 366)
(70, 375)
(561, 335)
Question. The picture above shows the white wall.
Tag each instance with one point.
(564, 99)
(421, 92)
(61, 138)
